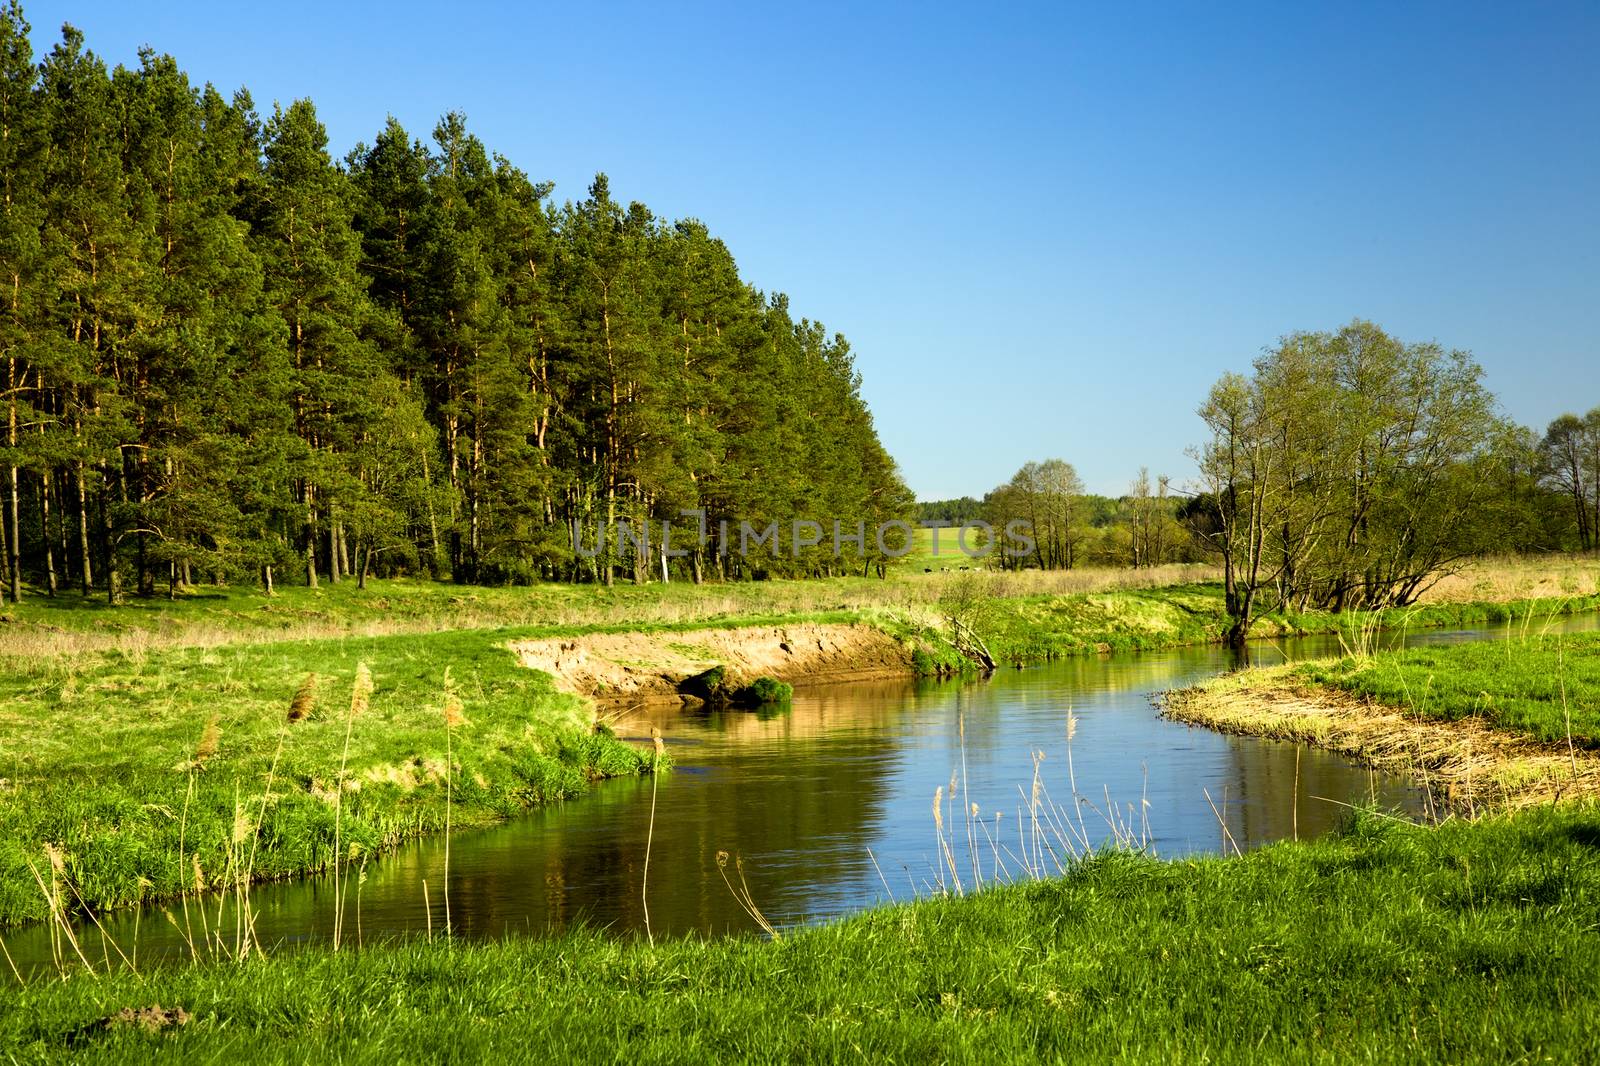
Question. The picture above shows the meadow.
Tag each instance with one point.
(166, 747)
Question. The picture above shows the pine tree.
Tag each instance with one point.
(21, 208)
(221, 354)
(311, 255)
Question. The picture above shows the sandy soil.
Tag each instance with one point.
(1465, 764)
(643, 665)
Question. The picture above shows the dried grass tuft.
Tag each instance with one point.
(453, 715)
(361, 691)
(210, 740)
(305, 699)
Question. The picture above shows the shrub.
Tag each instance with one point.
(763, 690)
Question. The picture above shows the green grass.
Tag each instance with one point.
(1388, 942)
(1532, 685)
(98, 733)
(924, 555)
(207, 615)
(1038, 628)
(106, 757)
(1033, 616)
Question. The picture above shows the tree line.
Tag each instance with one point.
(1348, 470)
(227, 354)
(1352, 469)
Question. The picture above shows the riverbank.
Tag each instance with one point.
(1029, 629)
(1507, 723)
(69, 624)
(621, 663)
(159, 759)
(1386, 942)
(147, 776)
(658, 665)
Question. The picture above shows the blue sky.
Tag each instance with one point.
(1044, 230)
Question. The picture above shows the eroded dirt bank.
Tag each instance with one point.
(1466, 764)
(644, 665)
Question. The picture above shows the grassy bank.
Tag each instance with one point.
(1026, 629)
(203, 616)
(1547, 688)
(1032, 616)
(1388, 942)
(162, 772)
(151, 744)
(1510, 722)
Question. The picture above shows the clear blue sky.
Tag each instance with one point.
(1047, 230)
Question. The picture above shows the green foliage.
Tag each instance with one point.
(228, 357)
(1350, 469)
(763, 690)
(717, 688)
(1390, 942)
(710, 685)
(1567, 462)
(949, 512)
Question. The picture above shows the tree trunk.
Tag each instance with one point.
(44, 529)
(147, 576)
(433, 520)
(311, 538)
(85, 569)
(14, 509)
(13, 521)
(333, 549)
(5, 560)
(108, 541)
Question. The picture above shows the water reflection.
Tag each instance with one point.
(830, 808)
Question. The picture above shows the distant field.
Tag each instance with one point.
(948, 556)
(69, 624)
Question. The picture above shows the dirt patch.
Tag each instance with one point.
(1466, 764)
(644, 665)
(151, 1019)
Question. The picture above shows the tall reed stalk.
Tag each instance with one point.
(453, 717)
(360, 698)
(650, 834)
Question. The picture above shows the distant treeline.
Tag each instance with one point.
(1350, 469)
(224, 353)
(1072, 528)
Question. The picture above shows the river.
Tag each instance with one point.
(828, 806)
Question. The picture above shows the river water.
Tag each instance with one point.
(828, 806)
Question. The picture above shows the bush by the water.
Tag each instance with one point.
(764, 690)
